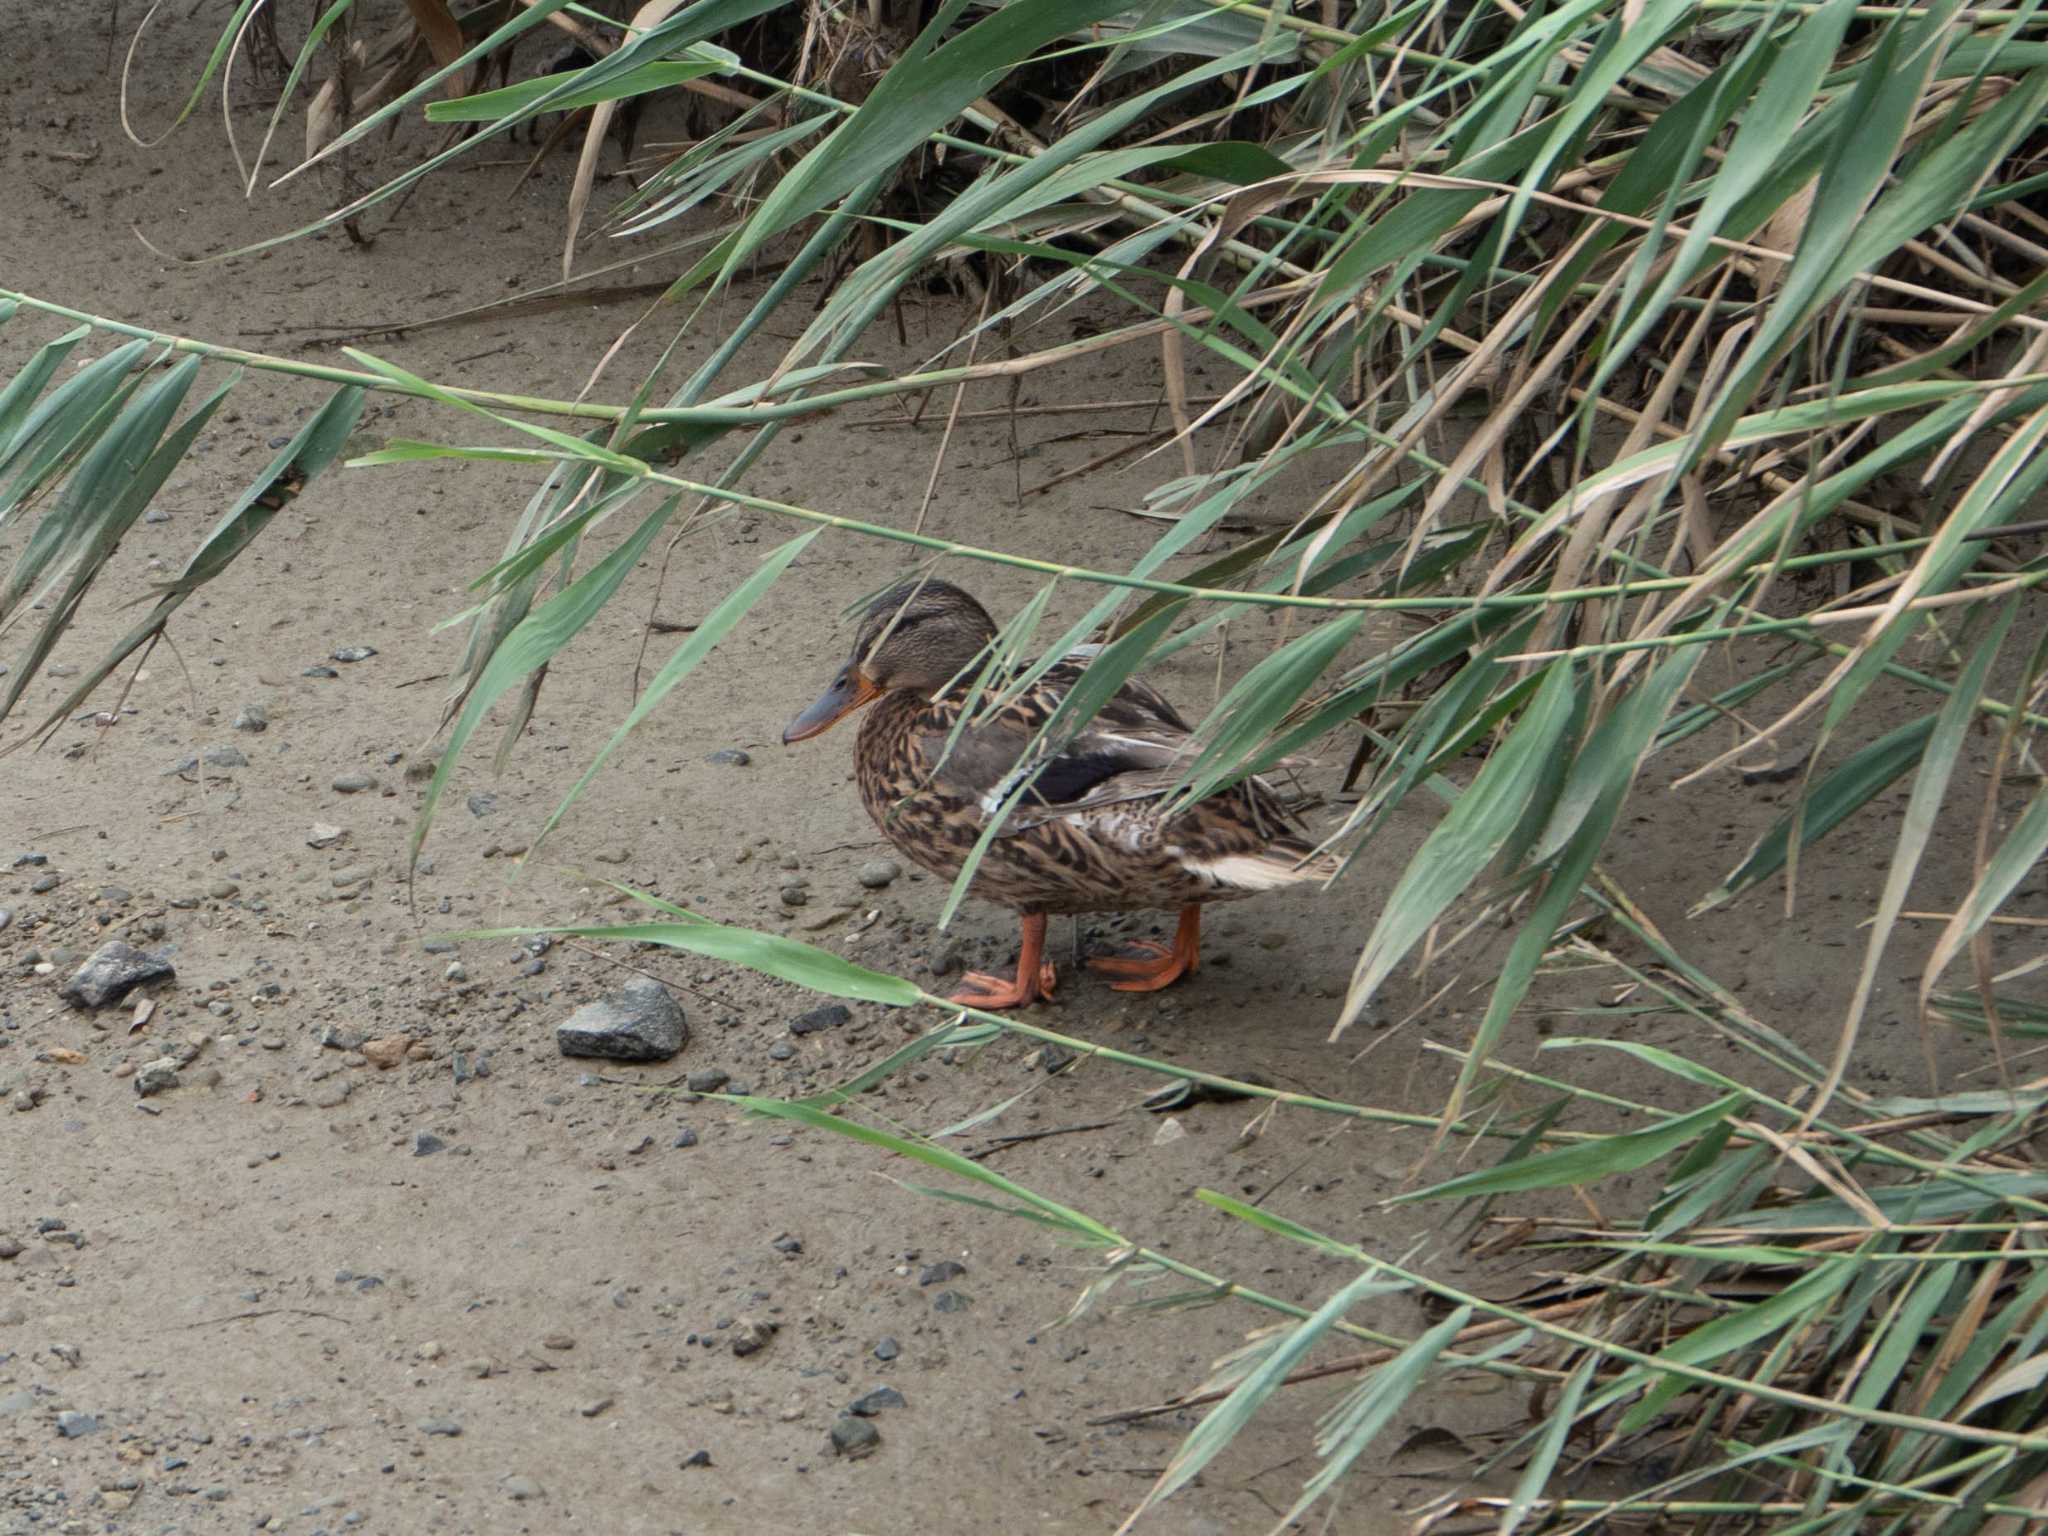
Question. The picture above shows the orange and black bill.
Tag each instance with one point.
(850, 689)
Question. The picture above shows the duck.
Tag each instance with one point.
(942, 749)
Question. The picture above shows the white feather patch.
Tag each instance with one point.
(1248, 871)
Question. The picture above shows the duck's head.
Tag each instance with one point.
(920, 634)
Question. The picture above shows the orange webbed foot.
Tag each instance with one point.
(1035, 975)
(1157, 965)
(992, 992)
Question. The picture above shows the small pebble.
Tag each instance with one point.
(355, 653)
(449, 1427)
(253, 718)
(872, 1403)
(594, 1407)
(731, 757)
(877, 873)
(830, 1016)
(319, 672)
(520, 1489)
(887, 1349)
(353, 783)
(854, 1438)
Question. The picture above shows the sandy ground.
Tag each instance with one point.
(281, 1314)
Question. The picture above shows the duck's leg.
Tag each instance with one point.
(1168, 963)
(1035, 974)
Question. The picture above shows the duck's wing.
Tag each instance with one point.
(1136, 747)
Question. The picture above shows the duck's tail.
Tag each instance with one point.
(1271, 868)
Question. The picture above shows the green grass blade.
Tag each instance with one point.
(1466, 841)
(1623, 1152)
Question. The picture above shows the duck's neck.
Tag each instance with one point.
(880, 753)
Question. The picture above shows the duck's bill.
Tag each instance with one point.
(849, 691)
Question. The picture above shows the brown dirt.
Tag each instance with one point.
(271, 1296)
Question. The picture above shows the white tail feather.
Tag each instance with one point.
(1257, 871)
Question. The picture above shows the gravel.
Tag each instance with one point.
(114, 970)
(156, 1076)
(641, 1021)
(854, 1438)
(877, 873)
(872, 1403)
(829, 1016)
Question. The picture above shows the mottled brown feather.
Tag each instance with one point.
(1089, 836)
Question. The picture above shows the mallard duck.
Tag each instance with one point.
(1087, 835)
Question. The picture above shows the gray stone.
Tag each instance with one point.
(730, 757)
(854, 1438)
(355, 874)
(710, 1080)
(866, 1407)
(945, 958)
(520, 1489)
(42, 885)
(483, 804)
(426, 1144)
(355, 653)
(353, 783)
(830, 1016)
(639, 1022)
(941, 1272)
(952, 1301)
(253, 718)
(224, 757)
(221, 890)
(319, 672)
(73, 1425)
(448, 1427)
(685, 1138)
(156, 1076)
(750, 1337)
(334, 1038)
(887, 1349)
(114, 970)
(877, 873)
